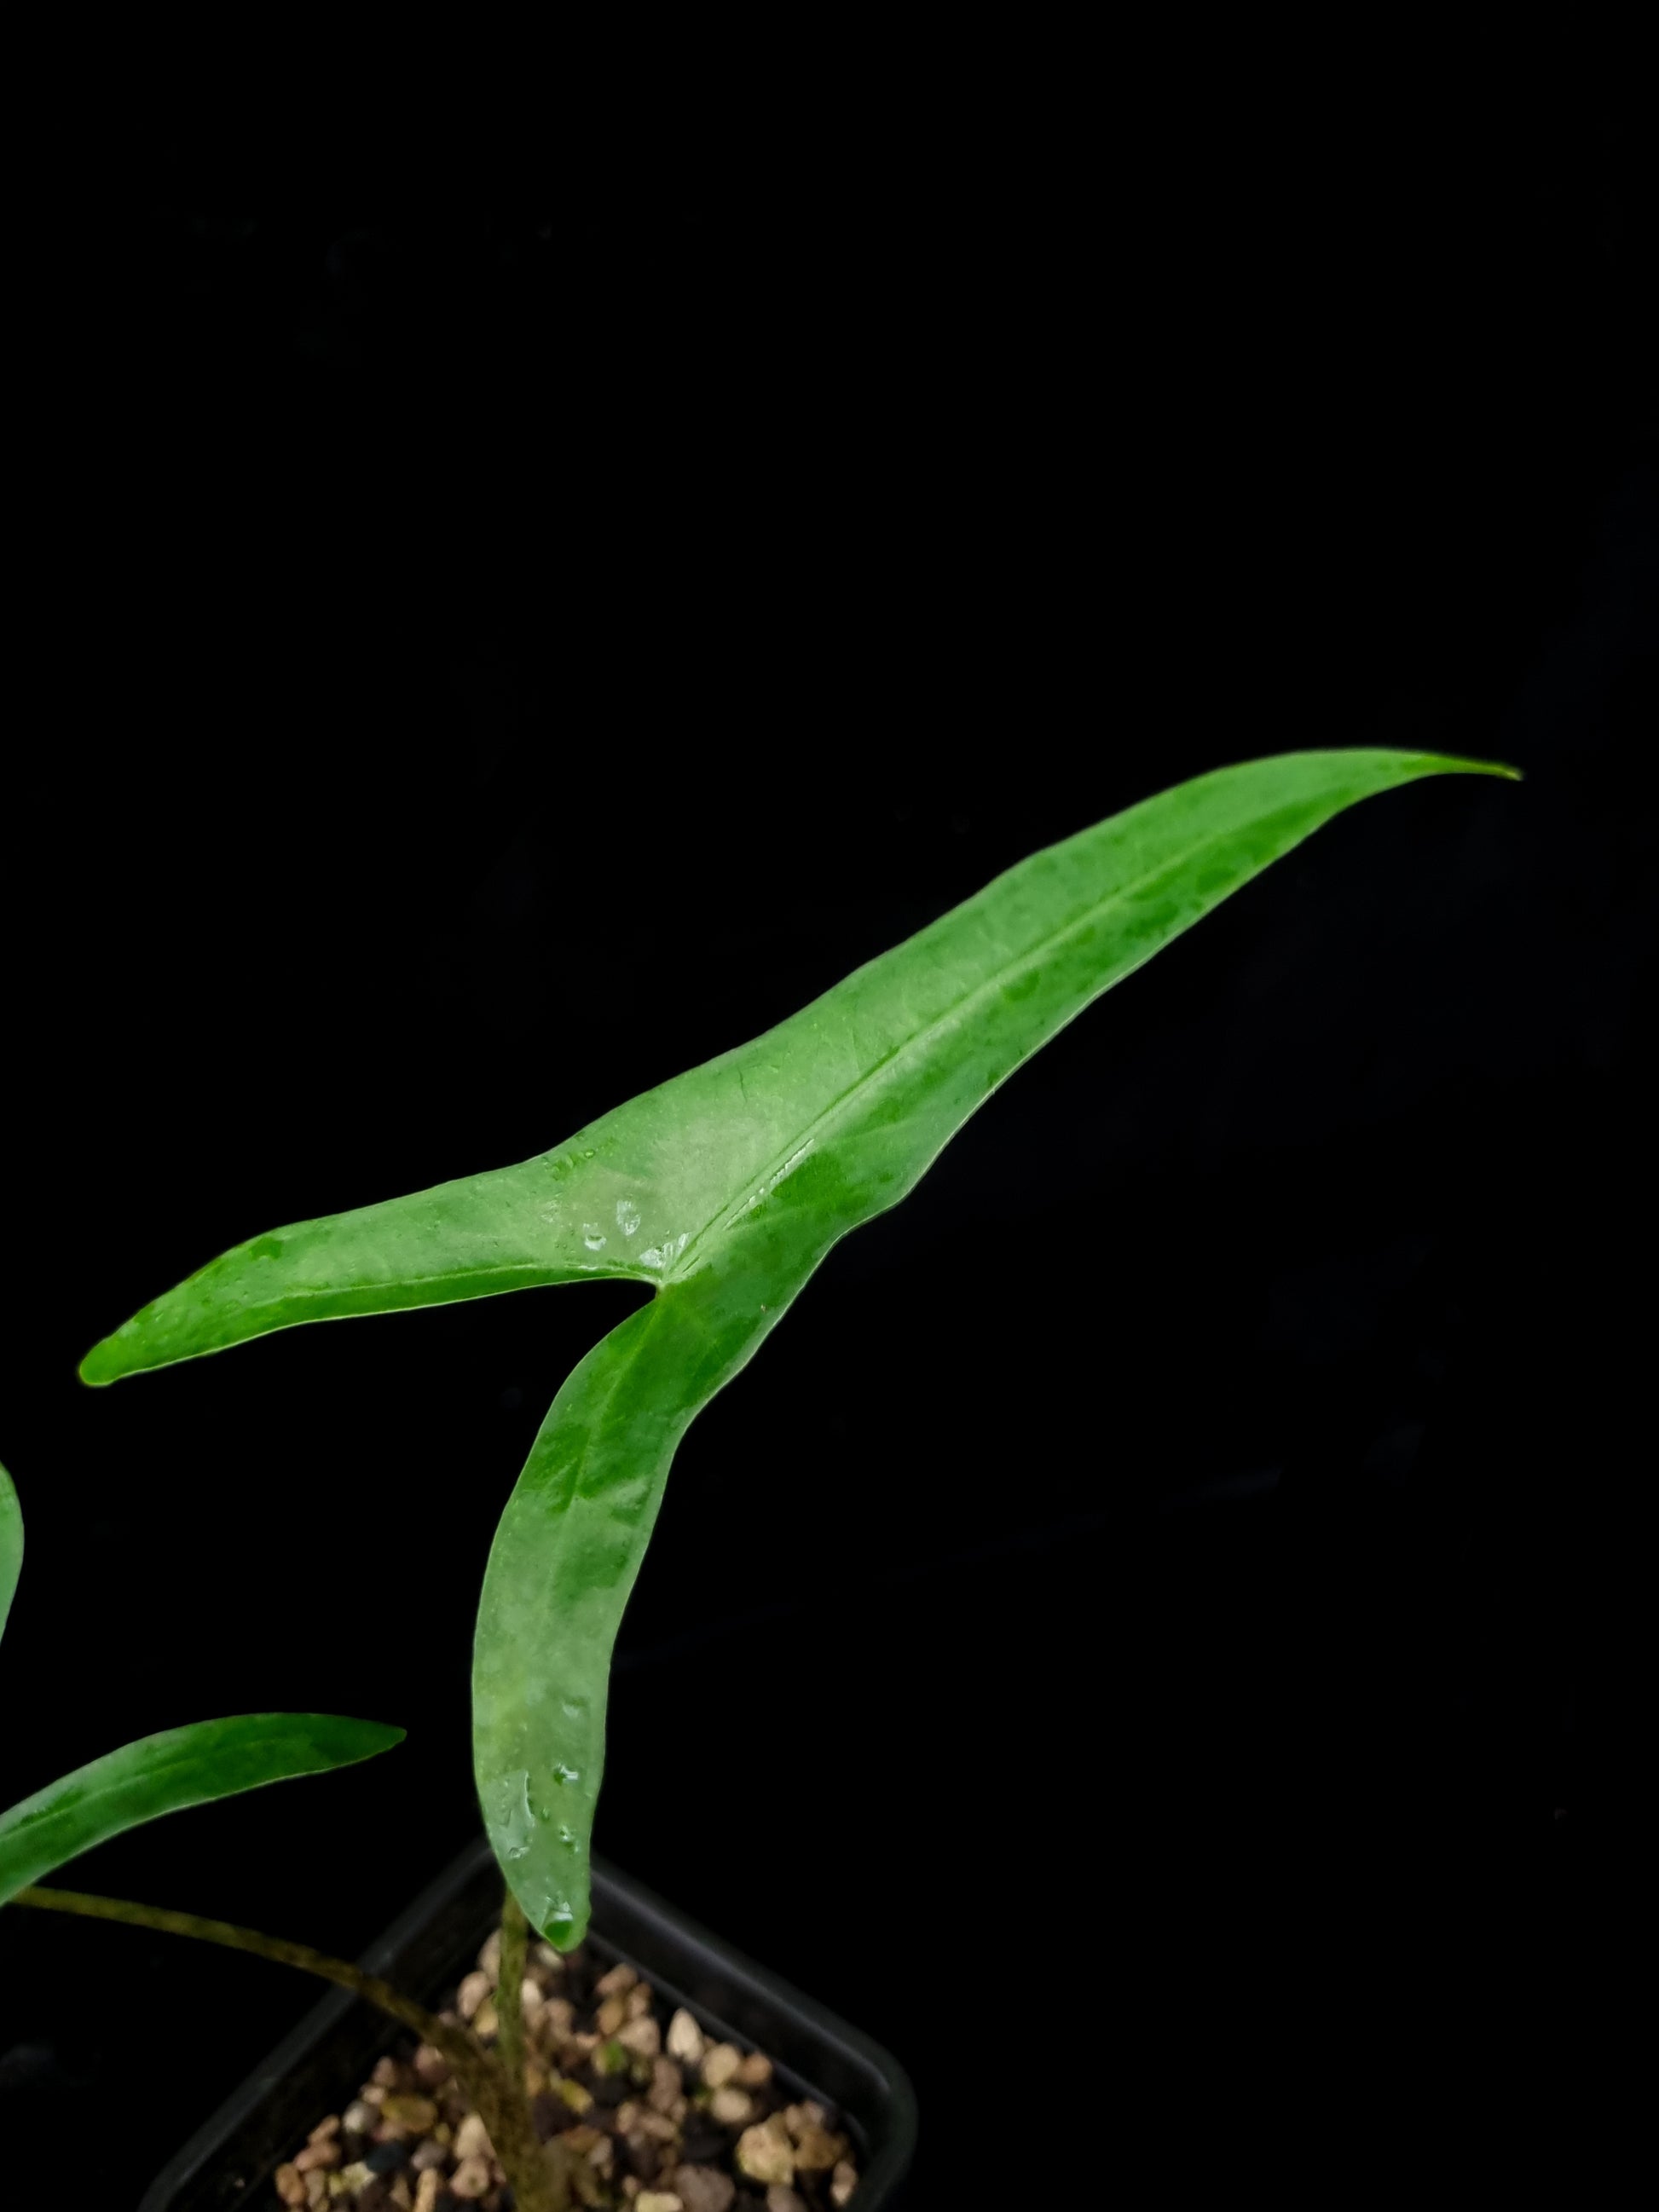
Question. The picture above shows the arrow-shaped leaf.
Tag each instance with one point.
(167, 1772)
(724, 1188)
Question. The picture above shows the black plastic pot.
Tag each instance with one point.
(231, 2159)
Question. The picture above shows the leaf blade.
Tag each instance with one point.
(11, 1546)
(724, 1187)
(473, 1238)
(568, 1550)
(167, 1772)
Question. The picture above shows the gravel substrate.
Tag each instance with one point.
(663, 2119)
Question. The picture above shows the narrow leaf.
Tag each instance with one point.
(725, 1188)
(11, 1545)
(164, 1773)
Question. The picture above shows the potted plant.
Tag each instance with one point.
(722, 1191)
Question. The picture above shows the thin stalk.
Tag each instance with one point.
(499, 2098)
(509, 1989)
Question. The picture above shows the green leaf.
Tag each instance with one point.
(11, 1545)
(724, 1188)
(164, 1773)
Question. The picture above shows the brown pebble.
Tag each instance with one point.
(616, 1984)
(842, 2183)
(489, 1955)
(704, 2189)
(426, 2194)
(732, 2107)
(290, 2185)
(316, 2155)
(470, 2179)
(325, 2129)
(415, 2116)
(797, 2117)
(755, 2072)
(642, 2035)
(387, 2073)
(667, 2086)
(432, 2069)
(471, 1994)
(643, 2156)
(719, 2063)
(765, 2153)
(779, 2198)
(685, 2039)
(816, 2151)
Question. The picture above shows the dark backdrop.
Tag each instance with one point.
(1152, 1637)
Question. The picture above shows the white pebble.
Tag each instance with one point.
(472, 2141)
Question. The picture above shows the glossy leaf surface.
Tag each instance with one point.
(724, 1188)
(11, 1545)
(167, 1772)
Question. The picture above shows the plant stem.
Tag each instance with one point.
(498, 2097)
(509, 1989)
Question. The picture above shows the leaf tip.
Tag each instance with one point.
(565, 1931)
(106, 1362)
(350, 1740)
(1457, 764)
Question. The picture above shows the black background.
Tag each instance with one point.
(1153, 1638)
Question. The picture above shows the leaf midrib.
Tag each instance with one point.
(921, 1038)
